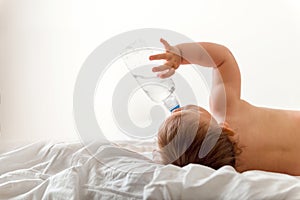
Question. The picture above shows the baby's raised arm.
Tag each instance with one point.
(226, 73)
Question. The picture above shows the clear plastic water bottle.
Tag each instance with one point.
(157, 89)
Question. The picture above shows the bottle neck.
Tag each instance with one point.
(171, 103)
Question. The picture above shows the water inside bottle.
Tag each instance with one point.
(156, 89)
(157, 92)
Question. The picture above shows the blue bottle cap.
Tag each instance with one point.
(174, 108)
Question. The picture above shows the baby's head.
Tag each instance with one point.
(192, 135)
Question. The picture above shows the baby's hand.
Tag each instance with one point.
(172, 57)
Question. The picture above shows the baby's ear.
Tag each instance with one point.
(226, 129)
(224, 125)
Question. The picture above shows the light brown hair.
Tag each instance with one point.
(181, 137)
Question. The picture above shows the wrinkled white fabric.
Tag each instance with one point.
(200, 182)
(68, 171)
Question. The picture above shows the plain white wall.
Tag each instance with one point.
(44, 43)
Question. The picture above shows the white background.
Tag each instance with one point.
(44, 43)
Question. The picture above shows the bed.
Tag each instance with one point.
(126, 170)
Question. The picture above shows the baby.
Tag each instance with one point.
(236, 133)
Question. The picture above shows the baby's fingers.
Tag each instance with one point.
(167, 74)
(160, 68)
(159, 56)
(166, 44)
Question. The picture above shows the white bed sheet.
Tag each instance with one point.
(200, 182)
(68, 171)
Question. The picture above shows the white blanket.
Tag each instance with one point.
(68, 171)
(200, 182)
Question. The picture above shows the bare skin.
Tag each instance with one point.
(268, 137)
